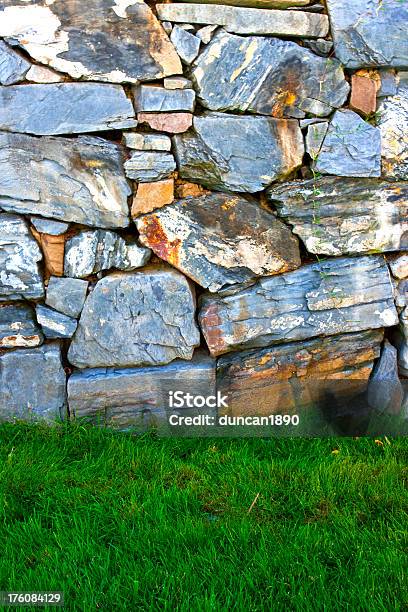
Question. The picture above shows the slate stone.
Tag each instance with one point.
(248, 20)
(149, 98)
(133, 319)
(18, 327)
(48, 226)
(352, 147)
(67, 295)
(177, 83)
(19, 256)
(275, 4)
(401, 293)
(337, 216)
(80, 180)
(234, 73)
(32, 384)
(232, 153)
(403, 343)
(342, 295)
(89, 252)
(102, 40)
(393, 124)
(388, 82)
(54, 324)
(147, 142)
(315, 137)
(13, 67)
(146, 166)
(186, 44)
(40, 74)
(368, 33)
(399, 265)
(206, 34)
(64, 108)
(385, 391)
(321, 46)
(220, 240)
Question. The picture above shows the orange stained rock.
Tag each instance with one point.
(364, 88)
(53, 248)
(185, 190)
(152, 195)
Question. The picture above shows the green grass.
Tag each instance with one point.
(138, 523)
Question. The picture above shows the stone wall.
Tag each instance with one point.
(210, 192)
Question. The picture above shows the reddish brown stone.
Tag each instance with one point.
(152, 195)
(187, 190)
(364, 87)
(53, 248)
(173, 123)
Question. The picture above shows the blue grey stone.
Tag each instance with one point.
(389, 83)
(385, 391)
(67, 295)
(186, 44)
(393, 124)
(18, 327)
(149, 98)
(48, 226)
(148, 166)
(55, 324)
(13, 67)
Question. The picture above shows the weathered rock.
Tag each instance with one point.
(40, 74)
(388, 82)
(234, 73)
(233, 153)
(64, 108)
(273, 4)
(19, 256)
(67, 295)
(90, 252)
(136, 319)
(98, 41)
(132, 397)
(219, 240)
(54, 324)
(152, 195)
(368, 33)
(177, 83)
(48, 226)
(320, 46)
(18, 327)
(352, 147)
(364, 87)
(190, 190)
(385, 392)
(401, 293)
(53, 248)
(186, 44)
(399, 265)
(248, 20)
(393, 124)
(322, 299)
(206, 34)
(13, 67)
(173, 123)
(337, 216)
(315, 136)
(32, 384)
(146, 166)
(149, 98)
(147, 142)
(402, 343)
(80, 180)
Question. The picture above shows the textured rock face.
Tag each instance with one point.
(54, 324)
(80, 180)
(393, 123)
(101, 40)
(64, 108)
(13, 67)
(173, 123)
(149, 98)
(232, 153)
(147, 166)
(186, 44)
(368, 33)
(52, 248)
(220, 240)
(385, 392)
(364, 88)
(234, 73)
(18, 327)
(152, 195)
(32, 384)
(330, 297)
(67, 295)
(147, 142)
(19, 256)
(399, 265)
(47, 226)
(338, 216)
(136, 319)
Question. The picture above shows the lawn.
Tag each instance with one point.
(120, 522)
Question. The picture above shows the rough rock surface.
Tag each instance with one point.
(19, 256)
(393, 124)
(99, 40)
(64, 108)
(40, 74)
(147, 166)
(231, 153)
(385, 392)
(55, 324)
(13, 67)
(52, 248)
(402, 343)
(147, 142)
(219, 240)
(173, 123)
(316, 133)
(234, 73)
(136, 319)
(92, 251)
(330, 297)
(339, 216)
(186, 44)
(32, 384)
(67, 295)
(18, 327)
(399, 265)
(364, 88)
(80, 180)
(152, 195)
(273, 4)
(48, 226)
(149, 98)
(177, 83)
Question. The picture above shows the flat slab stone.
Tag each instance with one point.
(67, 295)
(339, 216)
(147, 142)
(173, 123)
(18, 327)
(234, 73)
(13, 67)
(80, 180)
(232, 153)
(336, 296)
(32, 384)
(65, 108)
(149, 98)
(147, 166)
(102, 40)
(368, 33)
(248, 20)
(393, 124)
(186, 44)
(273, 4)
(220, 240)
(49, 226)
(19, 256)
(55, 324)
(133, 319)
(152, 195)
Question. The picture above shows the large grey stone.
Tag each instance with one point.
(13, 67)
(234, 73)
(248, 20)
(67, 295)
(80, 180)
(352, 147)
(220, 240)
(98, 40)
(385, 392)
(18, 327)
(322, 299)
(55, 324)
(90, 252)
(369, 33)
(339, 216)
(64, 108)
(19, 256)
(32, 384)
(149, 98)
(148, 166)
(186, 44)
(233, 153)
(140, 318)
(393, 124)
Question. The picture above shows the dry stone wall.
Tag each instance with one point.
(213, 192)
